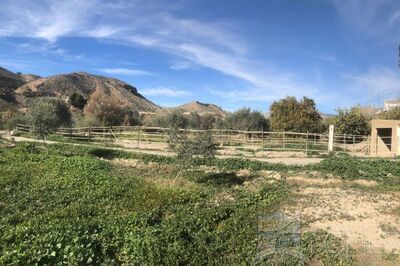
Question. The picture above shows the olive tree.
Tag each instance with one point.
(47, 114)
(192, 152)
(245, 119)
(200, 121)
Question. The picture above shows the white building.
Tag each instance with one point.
(389, 104)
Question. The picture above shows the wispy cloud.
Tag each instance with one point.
(212, 45)
(126, 72)
(326, 57)
(371, 17)
(183, 65)
(164, 91)
(376, 81)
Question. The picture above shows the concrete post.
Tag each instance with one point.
(330, 141)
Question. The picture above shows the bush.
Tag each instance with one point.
(77, 100)
(391, 114)
(47, 114)
(173, 118)
(202, 122)
(245, 119)
(108, 111)
(297, 116)
(190, 153)
(351, 122)
(10, 119)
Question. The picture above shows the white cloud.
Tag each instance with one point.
(372, 17)
(213, 45)
(125, 72)
(378, 80)
(164, 91)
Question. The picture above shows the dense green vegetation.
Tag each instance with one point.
(352, 121)
(67, 206)
(384, 171)
(77, 209)
(47, 114)
(289, 114)
(77, 100)
(391, 114)
(245, 119)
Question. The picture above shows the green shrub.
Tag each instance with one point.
(288, 114)
(245, 119)
(47, 114)
(352, 122)
(77, 100)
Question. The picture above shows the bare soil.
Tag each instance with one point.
(366, 219)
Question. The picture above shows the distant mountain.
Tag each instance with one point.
(21, 89)
(29, 77)
(203, 108)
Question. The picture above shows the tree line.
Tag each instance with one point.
(288, 114)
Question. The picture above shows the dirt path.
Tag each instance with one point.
(367, 220)
(151, 149)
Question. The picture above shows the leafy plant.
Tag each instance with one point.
(245, 119)
(47, 114)
(77, 100)
(288, 114)
(190, 153)
(352, 122)
(63, 208)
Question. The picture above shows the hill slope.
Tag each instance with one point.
(65, 84)
(203, 108)
(9, 81)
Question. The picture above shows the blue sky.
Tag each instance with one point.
(231, 53)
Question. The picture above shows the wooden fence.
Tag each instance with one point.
(256, 140)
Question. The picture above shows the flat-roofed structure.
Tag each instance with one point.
(389, 104)
(385, 136)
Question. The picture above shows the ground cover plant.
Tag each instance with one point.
(67, 206)
(77, 210)
(385, 171)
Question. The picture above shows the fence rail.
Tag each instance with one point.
(225, 138)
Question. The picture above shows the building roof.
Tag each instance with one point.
(392, 101)
(378, 123)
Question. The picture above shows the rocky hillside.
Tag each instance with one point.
(9, 82)
(21, 89)
(203, 108)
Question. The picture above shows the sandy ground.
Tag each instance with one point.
(367, 220)
(161, 149)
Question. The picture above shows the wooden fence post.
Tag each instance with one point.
(262, 140)
(307, 143)
(90, 128)
(330, 140)
(354, 144)
(283, 140)
(138, 140)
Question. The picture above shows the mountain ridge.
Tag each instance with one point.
(21, 89)
(203, 108)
